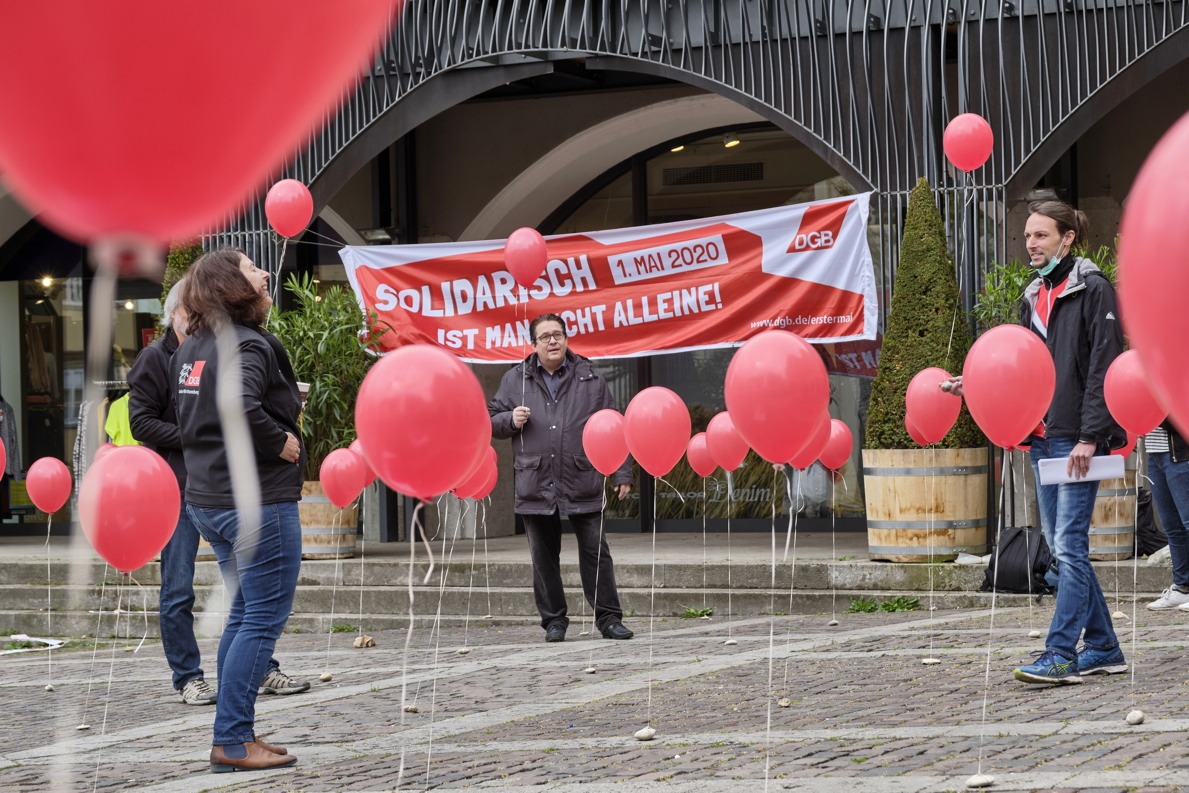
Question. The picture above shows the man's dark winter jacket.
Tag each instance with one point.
(1084, 336)
(151, 414)
(271, 406)
(1177, 445)
(552, 470)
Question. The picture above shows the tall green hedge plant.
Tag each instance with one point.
(924, 312)
(321, 336)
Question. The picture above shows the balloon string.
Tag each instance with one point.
(49, 603)
(730, 585)
(486, 559)
(705, 558)
(448, 556)
(594, 605)
(833, 546)
(110, 674)
(335, 523)
(466, 624)
(428, 548)
(793, 521)
(982, 732)
(362, 557)
(404, 671)
(1139, 470)
(771, 644)
(144, 609)
(652, 605)
(276, 284)
(95, 648)
(671, 487)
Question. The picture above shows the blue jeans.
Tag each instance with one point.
(1170, 494)
(261, 574)
(176, 606)
(1065, 512)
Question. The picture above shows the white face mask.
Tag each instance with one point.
(1052, 265)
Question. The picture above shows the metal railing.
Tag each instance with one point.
(869, 85)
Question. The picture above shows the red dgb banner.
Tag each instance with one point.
(637, 291)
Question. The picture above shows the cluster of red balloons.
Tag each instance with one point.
(422, 422)
(1008, 380)
(968, 141)
(777, 392)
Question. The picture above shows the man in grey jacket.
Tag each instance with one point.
(543, 404)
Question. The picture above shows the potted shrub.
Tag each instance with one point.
(321, 336)
(922, 504)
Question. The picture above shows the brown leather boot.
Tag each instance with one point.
(271, 747)
(258, 759)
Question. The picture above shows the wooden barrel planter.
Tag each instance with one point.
(326, 531)
(925, 505)
(1112, 526)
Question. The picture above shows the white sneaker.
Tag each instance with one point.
(1170, 599)
(196, 691)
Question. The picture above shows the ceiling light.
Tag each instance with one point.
(676, 149)
(47, 281)
(128, 304)
(730, 139)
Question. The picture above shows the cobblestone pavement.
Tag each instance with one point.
(793, 704)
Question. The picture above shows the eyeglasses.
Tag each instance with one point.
(557, 335)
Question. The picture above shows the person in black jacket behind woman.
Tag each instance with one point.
(237, 408)
(154, 423)
(1168, 467)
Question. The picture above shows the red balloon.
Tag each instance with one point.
(422, 420)
(128, 506)
(933, 411)
(839, 447)
(473, 486)
(913, 432)
(697, 454)
(776, 390)
(1153, 279)
(3, 458)
(603, 441)
(1128, 396)
(1129, 447)
(525, 255)
(48, 484)
(1008, 380)
(489, 485)
(817, 443)
(656, 427)
(289, 207)
(342, 475)
(186, 111)
(102, 450)
(968, 141)
(726, 446)
(371, 475)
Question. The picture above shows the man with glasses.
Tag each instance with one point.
(543, 404)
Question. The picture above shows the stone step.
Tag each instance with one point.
(387, 608)
(805, 574)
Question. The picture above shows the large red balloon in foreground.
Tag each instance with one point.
(1153, 277)
(422, 421)
(156, 119)
(128, 506)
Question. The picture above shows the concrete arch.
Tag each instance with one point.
(561, 172)
(1139, 73)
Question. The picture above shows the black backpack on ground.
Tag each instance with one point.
(1149, 537)
(1022, 555)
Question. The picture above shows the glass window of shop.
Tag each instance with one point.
(53, 339)
(703, 176)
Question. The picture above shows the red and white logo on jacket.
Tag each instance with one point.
(191, 375)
